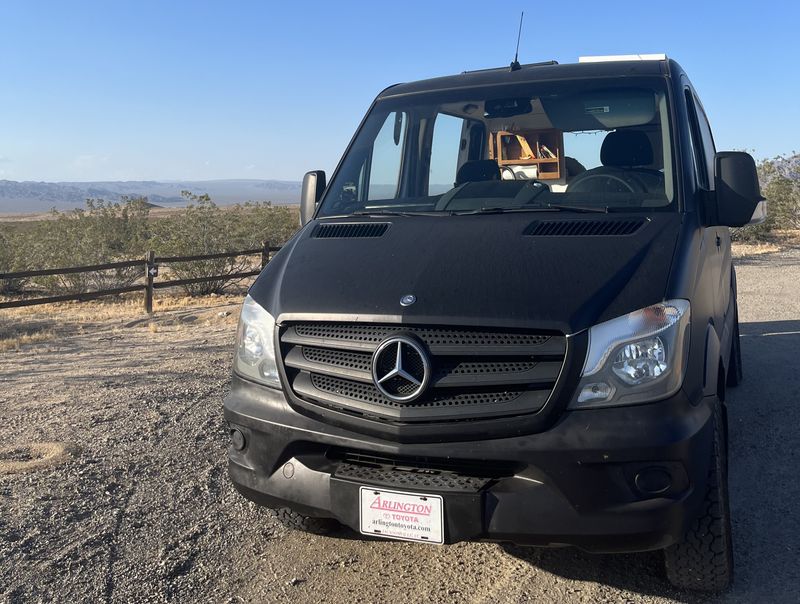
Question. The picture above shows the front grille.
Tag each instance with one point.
(431, 336)
(410, 478)
(418, 473)
(475, 373)
(338, 358)
(368, 393)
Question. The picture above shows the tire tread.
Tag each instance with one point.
(703, 561)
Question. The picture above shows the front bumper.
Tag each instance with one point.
(595, 479)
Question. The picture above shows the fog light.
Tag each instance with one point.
(599, 391)
(237, 439)
(653, 480)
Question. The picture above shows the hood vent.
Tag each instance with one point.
(585, 228)
(350, 230)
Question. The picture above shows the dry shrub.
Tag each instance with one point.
(204, 228)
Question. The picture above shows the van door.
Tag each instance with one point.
(724, 305)
(715, 237)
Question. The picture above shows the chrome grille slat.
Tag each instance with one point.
(364, 399)
(436, 340)
(449, 373)
(476, 373)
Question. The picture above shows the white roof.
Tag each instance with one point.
(603, 59)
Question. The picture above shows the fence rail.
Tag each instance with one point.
(150, 263)
(69, 271)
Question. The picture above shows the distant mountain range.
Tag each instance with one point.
(33, 197)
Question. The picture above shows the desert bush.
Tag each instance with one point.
(782, 191)
(9, 262)
(105, 232)
(204, 228)
(102, 232)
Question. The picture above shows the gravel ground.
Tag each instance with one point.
(126, 497)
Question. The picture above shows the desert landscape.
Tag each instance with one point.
(113, 483)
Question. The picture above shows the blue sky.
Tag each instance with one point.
(203, 90)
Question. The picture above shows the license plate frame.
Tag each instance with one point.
(401, 515)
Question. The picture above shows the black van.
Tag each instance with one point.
(509, 316)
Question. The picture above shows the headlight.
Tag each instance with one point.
(637, 358)
(255, 345)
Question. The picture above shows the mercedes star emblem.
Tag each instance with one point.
(400, 368)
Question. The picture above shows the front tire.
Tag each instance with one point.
(703, 561)
(735, 363)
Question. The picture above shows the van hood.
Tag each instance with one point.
(484, 270)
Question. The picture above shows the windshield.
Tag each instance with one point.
(583, 145)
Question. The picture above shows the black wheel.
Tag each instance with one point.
(703, 561)
(298, 522)
(735, 363)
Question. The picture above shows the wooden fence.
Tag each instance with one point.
(150, 265)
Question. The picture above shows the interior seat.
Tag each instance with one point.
(477, 170)
(625, 155)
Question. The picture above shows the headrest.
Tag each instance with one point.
(626, 149)
(478, 170)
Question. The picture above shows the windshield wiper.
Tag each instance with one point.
(550, 207)
(496, 210)
(393, 213)
(571, 208)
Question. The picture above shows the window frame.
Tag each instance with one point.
(696, 142)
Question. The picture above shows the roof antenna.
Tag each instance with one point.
(515, 63)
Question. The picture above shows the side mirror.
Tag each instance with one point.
(310, 194)
(738, 195)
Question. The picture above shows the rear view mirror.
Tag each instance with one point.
(738, 195)
(507, 107)
(310, 194)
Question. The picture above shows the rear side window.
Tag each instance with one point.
(386, 160)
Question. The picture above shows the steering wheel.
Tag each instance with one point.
(626, 180)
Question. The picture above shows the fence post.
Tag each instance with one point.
(265, 255)
(149, 274)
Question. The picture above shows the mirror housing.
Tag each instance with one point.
(310, 194)
(737, 191)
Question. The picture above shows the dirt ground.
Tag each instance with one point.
(113, 484)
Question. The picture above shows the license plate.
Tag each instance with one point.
(397, 515)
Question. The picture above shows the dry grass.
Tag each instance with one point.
(788, 238)
(741, 249)
(118, 308)
(776, 242)
(26, 337)
(38, 325)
